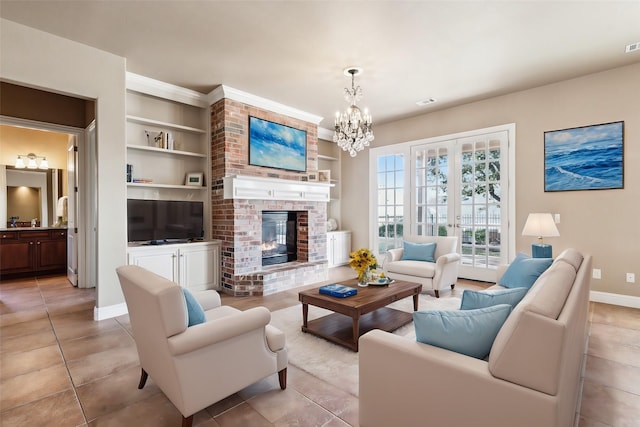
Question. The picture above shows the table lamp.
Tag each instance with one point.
(540, 225)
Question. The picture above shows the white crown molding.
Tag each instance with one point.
(324, 133)
(615, 299)
(223, 91)
(161, 89)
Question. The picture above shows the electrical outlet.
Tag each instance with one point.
(556, 218)
(631, 278)
(597, 274)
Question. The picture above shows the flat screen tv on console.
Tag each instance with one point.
(164, 221)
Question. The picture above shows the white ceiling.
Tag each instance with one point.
(294, 52)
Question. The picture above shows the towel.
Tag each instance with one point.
(61, 207)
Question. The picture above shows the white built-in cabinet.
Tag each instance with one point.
(159, 171)
(338, 248)
(195, 266)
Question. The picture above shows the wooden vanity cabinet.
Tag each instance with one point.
(33, 252)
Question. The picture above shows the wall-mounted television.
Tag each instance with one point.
(164, 221)
(273, 145)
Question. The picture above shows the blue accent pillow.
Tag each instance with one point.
(418, 251)
(472, 300)
(469, 332)
(194, 309)
(524, 271)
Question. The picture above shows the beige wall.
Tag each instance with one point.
(40, 60)
(603, 222)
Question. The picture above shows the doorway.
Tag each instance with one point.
(65, 204)
(459, 190)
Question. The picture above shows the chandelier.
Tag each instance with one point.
(353, 127)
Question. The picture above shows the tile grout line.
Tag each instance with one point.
(64, 360)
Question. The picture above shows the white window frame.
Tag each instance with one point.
(404, 148)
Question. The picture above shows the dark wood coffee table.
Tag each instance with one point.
(358, 314)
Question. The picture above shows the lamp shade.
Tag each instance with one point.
(540, 225)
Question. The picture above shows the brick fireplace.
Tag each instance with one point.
(241, 192)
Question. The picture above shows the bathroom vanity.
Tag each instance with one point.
(26, 251)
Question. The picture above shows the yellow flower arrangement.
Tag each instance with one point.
(362, 261)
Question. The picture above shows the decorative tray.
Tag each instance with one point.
(379, 283)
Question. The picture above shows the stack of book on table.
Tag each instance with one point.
(339, 291)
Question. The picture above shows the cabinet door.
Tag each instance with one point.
(163, 262)
(330, 249)
(51, 255)
(199, 267)
(16, 257)
(342, 248)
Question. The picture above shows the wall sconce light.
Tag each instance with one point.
(33, 162)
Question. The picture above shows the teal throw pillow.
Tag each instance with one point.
(194, 309)
(524, 271)
(469, 332)
(418, 251)
(472, 300)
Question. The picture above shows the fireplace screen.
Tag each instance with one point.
(278, 237)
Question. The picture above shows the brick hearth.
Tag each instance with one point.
(237, 222)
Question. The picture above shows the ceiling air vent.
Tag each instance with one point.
(632, 47)
(426, 101)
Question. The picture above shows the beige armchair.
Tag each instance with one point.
(437, 275)
(199, 365)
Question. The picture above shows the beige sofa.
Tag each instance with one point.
(531, 377)
(435, 276)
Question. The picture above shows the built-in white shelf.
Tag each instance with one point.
(159, 123)
(329, 158)
(165, 151)
(153, 185)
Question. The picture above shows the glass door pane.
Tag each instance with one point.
(390, 202)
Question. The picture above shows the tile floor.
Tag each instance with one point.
(58, 367)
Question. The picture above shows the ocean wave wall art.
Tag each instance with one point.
(584, 158)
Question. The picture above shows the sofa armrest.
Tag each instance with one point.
(447, 259)
(213, 332)
(208, 299)
(392, 255)
(427, 385)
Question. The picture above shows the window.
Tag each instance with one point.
(390, 201)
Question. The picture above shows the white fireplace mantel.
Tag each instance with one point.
(259, 188)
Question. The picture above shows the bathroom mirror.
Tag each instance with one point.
(32, 194)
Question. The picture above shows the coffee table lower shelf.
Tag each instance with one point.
(338, 328)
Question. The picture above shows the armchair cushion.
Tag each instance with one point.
(195, 311)
(472, 300)
(524, 271)
(469, 332)
(418, 251)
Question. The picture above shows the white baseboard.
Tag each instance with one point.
(615, 299)
(102, 313)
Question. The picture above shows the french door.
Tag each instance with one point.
(459, 188)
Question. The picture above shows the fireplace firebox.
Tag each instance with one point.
(279, 237)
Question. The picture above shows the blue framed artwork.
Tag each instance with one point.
(273, 145)
(584, 158)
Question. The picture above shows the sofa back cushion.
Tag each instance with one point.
(571, 257)
(529, 347)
